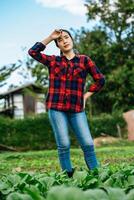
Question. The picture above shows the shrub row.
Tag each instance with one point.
(36, 132)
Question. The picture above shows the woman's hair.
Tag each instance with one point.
(61, 53)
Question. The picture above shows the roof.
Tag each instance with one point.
(19, 88)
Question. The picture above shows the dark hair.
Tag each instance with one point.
(61, 53)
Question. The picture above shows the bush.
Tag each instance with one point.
(29, 133)
(36, 132)
(106, 123)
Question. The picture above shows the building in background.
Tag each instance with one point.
(22, 101)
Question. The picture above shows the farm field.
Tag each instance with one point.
(37, 175)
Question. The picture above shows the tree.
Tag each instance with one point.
(116, 17)
(6, 71)
(110, 45)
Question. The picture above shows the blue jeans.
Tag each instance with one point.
(79, 124)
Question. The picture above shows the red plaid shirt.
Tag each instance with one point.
(67, 79)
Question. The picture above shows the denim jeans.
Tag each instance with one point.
(60, 121)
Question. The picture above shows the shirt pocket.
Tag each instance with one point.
(79, 73)
(59, 70)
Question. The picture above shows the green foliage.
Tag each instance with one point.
(121, 83)
(106, 123)
(29, 133)
(36, 132)
(110, 45)
(41, 74)
(111, 184)
(6, 71)
(116, 16)
(47, 160)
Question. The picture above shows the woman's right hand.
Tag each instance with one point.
(55, 34)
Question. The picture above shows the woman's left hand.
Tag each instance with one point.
(86, 96)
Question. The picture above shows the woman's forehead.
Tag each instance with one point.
(63, 34)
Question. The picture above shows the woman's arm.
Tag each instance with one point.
(54, 35)
(35, 50)
(98, 77)
(47, 40)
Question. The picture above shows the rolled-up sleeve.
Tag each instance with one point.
(98, 77)
(35, 52)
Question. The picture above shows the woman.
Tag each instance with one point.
(66, 99)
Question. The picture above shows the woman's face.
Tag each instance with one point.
(65, 42)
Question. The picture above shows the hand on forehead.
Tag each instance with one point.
(63, 33)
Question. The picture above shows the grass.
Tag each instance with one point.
(47, 160)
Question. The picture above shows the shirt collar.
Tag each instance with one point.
(75, 56)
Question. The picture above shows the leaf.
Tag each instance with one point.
(5, 188)
(34, 192)
(64, 193)
(18, 196)
(14, 179)
(95, 194)
(115, 193)
(130, 195)
(47, 181)
(131, 180)
(104, 175)
(92, 182)
(80, 175)
(109, 182)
